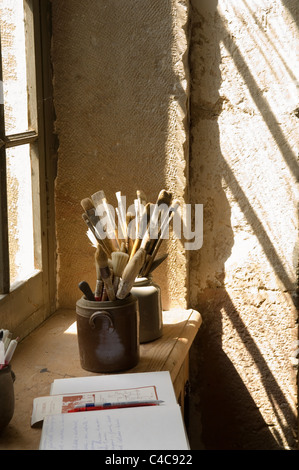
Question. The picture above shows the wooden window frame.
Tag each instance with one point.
(28, 304)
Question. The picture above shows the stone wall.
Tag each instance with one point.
(243, 169)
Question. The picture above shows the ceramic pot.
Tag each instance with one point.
(108, 334)
(7, 397)
(150, 308)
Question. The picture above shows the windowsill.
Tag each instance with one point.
(19, 283)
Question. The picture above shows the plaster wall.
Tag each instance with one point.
(120, 91)
(243, 169)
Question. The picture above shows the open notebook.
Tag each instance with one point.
(136, 428)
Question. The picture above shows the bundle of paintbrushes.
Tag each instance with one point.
(7, 347)
(126, 242)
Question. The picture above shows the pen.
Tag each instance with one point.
(110, 406)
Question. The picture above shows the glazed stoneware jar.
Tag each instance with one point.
(150, 308)
(108, 334)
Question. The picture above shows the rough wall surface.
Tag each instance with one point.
(120, 93)
(243, 169)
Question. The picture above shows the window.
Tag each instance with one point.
(27, 260)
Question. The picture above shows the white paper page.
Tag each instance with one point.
(55, 404)
(161, 380)
(149, 428)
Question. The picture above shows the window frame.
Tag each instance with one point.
(26, 305)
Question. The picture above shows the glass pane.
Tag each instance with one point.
(20, 213)
(13, 43)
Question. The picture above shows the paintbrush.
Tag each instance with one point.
(140, 208)
(99, 281)
(92, 238)
(94, 223)
(142, 228)
(164, 227)
(91, 233)
(120, 228)
(119, 262)
(104, 294)
(99, 199)
(89, 225)
(152, 228)
(157, 263)
(89, 208)
(164, 199)
(137, 217)
(141, 197)
(85, 288)
(89, 216)
(121, 213)
(130, 273)
(105, 272)
(123, 247)
(130, 236)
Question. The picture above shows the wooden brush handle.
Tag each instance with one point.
(108, 285)
(136, 247)
(142, 229)
(98, 289)
(130, 273)
(85, 288)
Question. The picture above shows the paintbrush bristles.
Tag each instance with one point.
(87, 204)
(105, 243)
(99, 199)
(92, 238)
(130, 273)
(164, 227)
(164, 197)
(141, 197)
(119, 262)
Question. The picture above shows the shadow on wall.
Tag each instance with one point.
(229, 416)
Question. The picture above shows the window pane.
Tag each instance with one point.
(20, 214)
(13, 43)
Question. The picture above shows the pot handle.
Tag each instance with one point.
(102, 314)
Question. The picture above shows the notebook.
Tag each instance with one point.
(130, 428)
